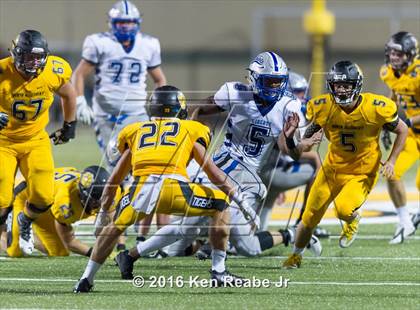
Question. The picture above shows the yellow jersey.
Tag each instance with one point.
(163, 145)
(406, 88)
(354, 137)
(27, 102)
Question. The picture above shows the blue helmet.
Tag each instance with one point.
(269, 76)
(124, 11)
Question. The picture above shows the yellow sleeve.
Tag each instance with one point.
(201, 134)
(125, 137)
(386, 111)
(310, 110)
(59, 72)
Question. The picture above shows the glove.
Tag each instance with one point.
(248, 212)
(4, 119)
(84, 112)
(386, 139)
(64, 134)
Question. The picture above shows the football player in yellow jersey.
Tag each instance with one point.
(28, 80)
(158, 152)
(352, 122)
(76, 197)
(401, 74)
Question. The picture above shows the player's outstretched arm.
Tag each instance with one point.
(68, 101)
(401, 130)
(83, 70)
(205, 107)
(219, 178)
(118, 174)
(66, 234)
(158, 76)
(289, 139)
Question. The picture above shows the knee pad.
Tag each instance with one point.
(266, 240)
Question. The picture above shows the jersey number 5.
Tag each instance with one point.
(149, 138)
(346, 142)
(256, 135)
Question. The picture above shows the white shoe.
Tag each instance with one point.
(315, 246)
(26, 238)
(402, 232)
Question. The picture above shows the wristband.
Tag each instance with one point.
(408, 122)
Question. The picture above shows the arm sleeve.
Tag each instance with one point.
(61, 73)
(387, 113)
(202, 135)
(155, 60)
(310, 115)
(90, 51)
(222, 98)
(122, 143)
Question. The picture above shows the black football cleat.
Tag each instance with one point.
(225, 279)
(83, 286)
(126, 264)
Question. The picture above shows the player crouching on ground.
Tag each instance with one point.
(352, 122)
(76, 197)
(158, 152)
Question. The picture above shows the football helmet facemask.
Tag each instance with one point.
(405, 43)
(269, 76)
(167, 101)
(91, 185)
(344, 82)
(30, 52)
(124, 20)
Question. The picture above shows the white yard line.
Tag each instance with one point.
(291, 282)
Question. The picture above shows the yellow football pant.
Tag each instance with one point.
(43, 228)
(176, 198)
(348, 192)
(34, 158)
(408, 157)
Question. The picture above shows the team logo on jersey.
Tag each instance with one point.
(201, 202)
(86, 179)
(384, 71)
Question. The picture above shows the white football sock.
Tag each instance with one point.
(90, 271)
(297, 250)
(218, 260)
(165, 236)
(403, 215)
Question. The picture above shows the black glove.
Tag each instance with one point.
(386, 139)
(4, 119)
(64, 134)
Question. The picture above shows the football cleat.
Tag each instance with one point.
(204, 252)
(126, 264)
(225, 279)
(293, 261)
(83, 286)
(26, 240)
(416, 220)
(321, 232)
(315, 246)
(402, 232)
(349, 232)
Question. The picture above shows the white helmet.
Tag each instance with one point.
(297, 82)
(124, 11)
(112, 153)
(269, 76)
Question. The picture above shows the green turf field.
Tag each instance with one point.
(369, 275)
